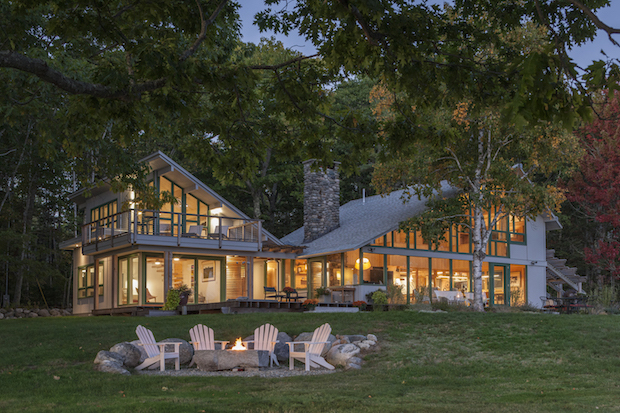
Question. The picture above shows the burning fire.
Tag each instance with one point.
(238, 345)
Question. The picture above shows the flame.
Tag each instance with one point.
(238, 345)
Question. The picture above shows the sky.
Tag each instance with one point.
(583, 55)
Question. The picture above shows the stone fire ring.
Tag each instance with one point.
(217, 360)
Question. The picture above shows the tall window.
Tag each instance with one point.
(103, 212)
(154, 277)
(128, 280)
(86, 280)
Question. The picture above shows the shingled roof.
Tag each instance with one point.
(361, 222)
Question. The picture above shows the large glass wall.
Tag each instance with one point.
(373, 268)
(183, 273)
(334, 270)
(351, 273)
(418, 278)
(154, 280)
(460, 275)
(301, 275)
(517, 285)
(316, 275)
(236, 282)
(86, 280)
(441, 274)
(272, 274)
(209, 281)
(128, 276)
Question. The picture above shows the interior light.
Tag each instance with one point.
(365, 266)
(216, 211)
(176, 258)
(157, 262)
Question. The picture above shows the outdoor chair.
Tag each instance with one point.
(271, 292)
(156, 352)
(194, 231)
(202, 339)
(265, 338)
(311, 355)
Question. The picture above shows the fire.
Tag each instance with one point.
(238, 345)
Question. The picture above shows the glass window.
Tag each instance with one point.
(183, 274)
(272, 274)
(316, 271)
(418, 278)
(420, 244)
(154, 289)
(351, 273)
(301, 274)
(517, 285)
(86, 280)
(128, 280)
(441, 274)
(373, 268)
(334, 270)
(400, 239)
(397, 276)
(208, 281)
(460, 275)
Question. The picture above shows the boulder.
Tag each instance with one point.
(32, 315)
(54, 312)
(19, 311)
(369, 342)
(363, 345)
(3, 310)
(10, 314)
(1, 316)
(340, 354)
(130, 353)
(108, 356)
(352, 366)
(355, 360)
(186, 350)
(355, 337)
(372, 337)
(281, 349)
(143, 355)
(44, 313)
(115, 367)
(308, 337)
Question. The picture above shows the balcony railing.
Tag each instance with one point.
(172, 224)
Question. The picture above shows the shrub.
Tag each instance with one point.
(360, 304)
(321, 291)
(379, 299)
(173, 299)
(310, 304)
(395, 294)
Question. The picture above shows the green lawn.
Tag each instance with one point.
(457, 362)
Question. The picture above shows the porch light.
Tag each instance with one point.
(365, 266)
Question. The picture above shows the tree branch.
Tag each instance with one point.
(280, 65)
(597, 22)
(203, 28)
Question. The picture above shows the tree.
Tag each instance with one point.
(594, 189)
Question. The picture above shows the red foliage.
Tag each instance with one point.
(596, 185)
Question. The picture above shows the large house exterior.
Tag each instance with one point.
(206, 243)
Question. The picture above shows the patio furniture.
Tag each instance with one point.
(156, 352)
(271, 292)
(265, 338)
(311, 355)
(203, 339)
(194, 231)
(216, 232)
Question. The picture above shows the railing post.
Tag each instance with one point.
(220, 231)
(178, 229)
(260, 235)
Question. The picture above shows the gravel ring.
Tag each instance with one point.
(275, 372)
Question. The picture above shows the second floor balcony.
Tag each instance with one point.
(172, 229)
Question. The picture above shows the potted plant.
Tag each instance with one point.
(322, 293)
(310, 304)
(184, 293)
(177, 297)
(360, 304)
(289, 291)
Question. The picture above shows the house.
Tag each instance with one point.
(128, 257)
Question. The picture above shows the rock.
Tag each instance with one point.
(369, 342)
(3, 310)
(281, 349)
(54, 312)
(186, 350)
(355, 360)
(108, 356)
(340, 354)
(143, 355)
(19, 311)
(10, 314)
(352, 366)
(356, 337)
(372, 337)
(308, 337)
(363, 345)
(66, 312)
(26, 311)
(44, 313)
(115, 367)
(1, 316)
(215, 360)
(32, 315)
(130, 353)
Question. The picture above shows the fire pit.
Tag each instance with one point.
(237, 357)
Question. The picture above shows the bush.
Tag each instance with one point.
(395, 294)
(173, 299)
(360, 304)
(379, 299)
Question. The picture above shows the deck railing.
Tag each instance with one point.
(172, 224)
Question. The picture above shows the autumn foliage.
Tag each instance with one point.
(595, 186)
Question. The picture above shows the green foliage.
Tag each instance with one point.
(321, 291)
(379, 300)
(173, 299)
(395, 294)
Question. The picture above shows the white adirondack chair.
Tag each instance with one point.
(156, 352)
(311, 355)
(265, 338)
(202, 339)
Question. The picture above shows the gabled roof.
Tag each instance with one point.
(362, 221)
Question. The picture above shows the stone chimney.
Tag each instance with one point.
(321, 201)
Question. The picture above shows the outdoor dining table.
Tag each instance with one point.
(569, 305)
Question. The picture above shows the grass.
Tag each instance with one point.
(463, 362)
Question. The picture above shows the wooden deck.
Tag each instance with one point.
(226, 307)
